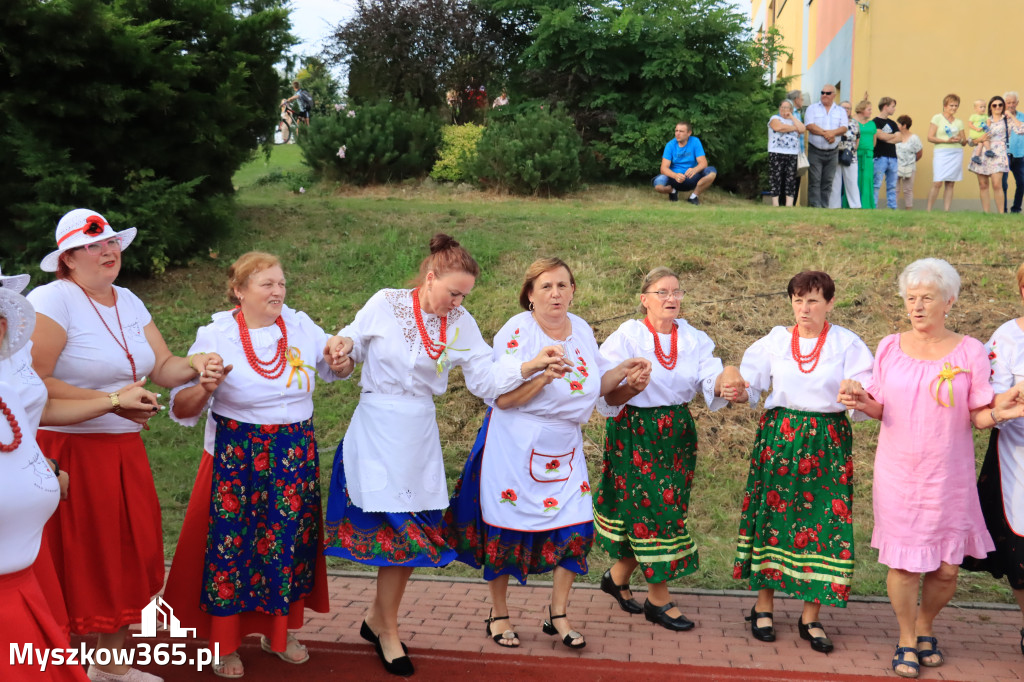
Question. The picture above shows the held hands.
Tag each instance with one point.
(639, 376)
(1011, 406)
(733, 386)
(62, 481)
(137, 404)
(336, 353)
(212, 371)
(852, 395)
(551, 361)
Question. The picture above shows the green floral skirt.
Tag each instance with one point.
(644, 492)
(796, 526)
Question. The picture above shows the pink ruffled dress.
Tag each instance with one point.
(925, 499)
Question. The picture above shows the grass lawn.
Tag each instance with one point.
(340, 245)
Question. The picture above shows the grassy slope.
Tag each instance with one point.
(339, 246)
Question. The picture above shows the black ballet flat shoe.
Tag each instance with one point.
(608, 585)
(765, 634)
(366, 633)
(659, 616)
(550, 629)
(1022, 641)
(401, 666)
(822, 644)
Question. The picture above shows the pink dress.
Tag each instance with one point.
(925, 499)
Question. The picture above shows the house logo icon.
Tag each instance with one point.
(160, 612)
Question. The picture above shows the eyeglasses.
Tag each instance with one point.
(664, 294)
(97, 248)
(828, 92)
(997, 105)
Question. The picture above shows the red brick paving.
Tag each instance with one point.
(981, 643)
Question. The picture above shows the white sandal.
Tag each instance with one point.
(223, 662)
(283, 655)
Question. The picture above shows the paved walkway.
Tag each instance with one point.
(981, 642)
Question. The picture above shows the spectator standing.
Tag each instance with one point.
(1016, 155)
(845, 190)
(684, 166)
(865, 154)
(990, 169)
(783, 134)
(826, 122)
(946, 132)
(797, 98)
(908, 153)
(885, 152)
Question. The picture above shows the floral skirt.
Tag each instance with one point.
(413, 539)
(796, 525)
(1008, 557)
(249, 556)
(500, 551)
(644, 493)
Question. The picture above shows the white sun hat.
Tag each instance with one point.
(15, 283)
(81, 227)
(21, 320)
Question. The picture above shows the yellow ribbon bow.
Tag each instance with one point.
(947, 375)
(298, 369)
(442, 360)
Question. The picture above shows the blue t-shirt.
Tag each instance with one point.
(683, 158)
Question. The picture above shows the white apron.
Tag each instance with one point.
(392, 455)
(534, 474)
(1011, 475)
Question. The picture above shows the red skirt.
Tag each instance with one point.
(25, 619)
(185, 582)
(105, 540)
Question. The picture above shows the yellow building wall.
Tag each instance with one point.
(918, 51)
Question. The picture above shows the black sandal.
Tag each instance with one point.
(507, 634)
(765, 634)
(550, 629)
(933, 651)
(608, 586)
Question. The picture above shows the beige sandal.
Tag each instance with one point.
(223, 662)
(283, 655)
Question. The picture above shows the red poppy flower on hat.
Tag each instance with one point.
(82, 227)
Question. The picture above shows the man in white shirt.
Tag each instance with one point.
(826, 122)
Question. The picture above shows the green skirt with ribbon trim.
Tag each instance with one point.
(644, 492)
(796, 525)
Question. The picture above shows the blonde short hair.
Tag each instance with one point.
(247, 265)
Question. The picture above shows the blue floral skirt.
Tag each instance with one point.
(508, 552)
(413, 539)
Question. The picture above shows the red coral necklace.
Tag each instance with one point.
(434, 350)
(15, 429)
(667, 361)
(272, 368)
(814, 355)
(123, 343)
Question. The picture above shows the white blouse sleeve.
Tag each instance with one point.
(486, 378)
(708, 369)
(756, 369)
(362, 328)
(206, 342)
(1001, 353)
(615, 349)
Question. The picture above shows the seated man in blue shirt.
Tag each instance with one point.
(684, 166)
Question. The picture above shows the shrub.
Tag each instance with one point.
(458, 153)
(529, 149)
(376, 142)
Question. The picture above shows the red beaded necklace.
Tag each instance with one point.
(123, 343)
(272, 368)
(814, 355)
(666, 361)
(434, 350)
(15, 429)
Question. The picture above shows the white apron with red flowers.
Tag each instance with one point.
(534, 475)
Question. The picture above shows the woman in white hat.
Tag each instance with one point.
(92, 338)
